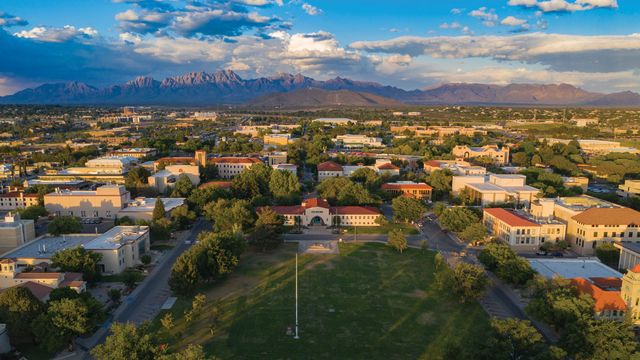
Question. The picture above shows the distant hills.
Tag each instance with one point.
(286, 90)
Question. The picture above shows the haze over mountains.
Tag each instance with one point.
(286, 90)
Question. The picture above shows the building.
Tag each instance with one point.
(457, 167)
(357, 141)
(595, 147)
(137, 153)
(276, 139)
(410, 189)
(293, 168)
(104, 202)
(141, 208)
(167, 177)
(629, 188)
(520, 230)
(276, 157)
(39, 281)
(585, 122)
(17, 199)
(629, 254)
(121, 247)
(108, 169)
(229, 167)
(495, 188)
(590, 221)
(205, 116)
(500, 155)
(605, 292)
(330, 169)
(577, 181)
(318, 212)
(568, 268)
(255, 130)
(15, 231)
(334, 121)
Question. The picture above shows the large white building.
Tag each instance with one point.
(112, 169)
(121, 247)
(521, 230)
(229, 167)
(357, 141)
(15, 231)
(167, 177)
(495, 188)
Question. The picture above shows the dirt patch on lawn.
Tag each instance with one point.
(326, 261)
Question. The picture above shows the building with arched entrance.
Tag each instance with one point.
(318, 212)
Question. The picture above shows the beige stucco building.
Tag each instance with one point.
(166, 178)
(520, 230)
(500, 155)
(495, 188)
(104, 202)
(318, 212)
(15, 232)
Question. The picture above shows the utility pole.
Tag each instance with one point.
(296, 335)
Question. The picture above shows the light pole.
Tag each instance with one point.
(296, 336)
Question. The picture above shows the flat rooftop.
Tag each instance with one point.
(116, 237)
(147, 204)
(44, 247)
(583, 202)
(486, 187)
(573, 268)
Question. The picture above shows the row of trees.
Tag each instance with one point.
(53, 325)
(465, 222)
(506, 264)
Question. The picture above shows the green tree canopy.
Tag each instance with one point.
(127, 342)
(268, 230)
(64, 225)
(397, 240)
(285, 187)
(407, 209)
(78, 259)
(470, 281)
(457, 218)
(227, 214)
(158, 210)
(183, 187)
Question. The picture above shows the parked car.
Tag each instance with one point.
(541, 253)
(557, 254)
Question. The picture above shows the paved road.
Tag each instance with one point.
(145, 301)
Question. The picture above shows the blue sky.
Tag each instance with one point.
(411, 44)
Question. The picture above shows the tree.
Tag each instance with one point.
(63, 293)
(440, 180)
(71, 316)
(225, 214)
(470, 281)
(202, 196)
(167, 321)
(516, 271)
(608, 254)
(127, 342)
(343, 191)
(457, 218)
(114, 295)
(32, 212)
(136, 179)
(48, 336)
(208, 172)
(514, 339)
(520, 159)
(184, 273)
(64, 225)
(183, 187)
(367, 177)
(285, 187)
(191, 352)
(18, 308)
(78, 259)
(145, 259)
(158, 210)
(474, 233)
(268, 230)
(129, 279)
(397, 240)
(407, 209)
(558, 304)
(182, 217)
(252, 182)
(495, 254)
(601, 340)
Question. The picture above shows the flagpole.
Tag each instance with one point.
(296, 336)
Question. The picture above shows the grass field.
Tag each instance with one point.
(369, 302)
(384, 229)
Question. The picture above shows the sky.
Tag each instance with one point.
(593, 44)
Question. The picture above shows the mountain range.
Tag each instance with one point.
(287, 90)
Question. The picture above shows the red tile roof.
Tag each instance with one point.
(234, 160)
(388, 166)
(41, 292)
(432, 163)
(510, 218)
(395, 186)
(285, 210)
(329, 166)
(635, 269)
(315, 202)
(604, 300)
(38, 275)
(607, 282)
(608, 216)
(354, 210)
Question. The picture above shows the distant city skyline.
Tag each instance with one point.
(593, 44)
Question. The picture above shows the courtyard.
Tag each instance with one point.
(366, 302)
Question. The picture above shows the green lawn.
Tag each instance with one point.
(384, 229)
(369, 302)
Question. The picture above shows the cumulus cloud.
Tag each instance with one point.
(311, 10)
(604, 53)
(453, 25)
(488, 16)
(513, 21)
(8, 20)
(456, 11)
(66, 33)
(198, 19)
(565, 5)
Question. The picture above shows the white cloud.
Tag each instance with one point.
(8, 20)
(311, 10)
(603, 53)
(565, 5)
(488, 15)
(513, 21)
(66, 33)
(456, 11)
(453, 25)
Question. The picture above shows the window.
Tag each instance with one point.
(595, 234)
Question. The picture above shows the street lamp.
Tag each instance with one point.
(296, 336)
